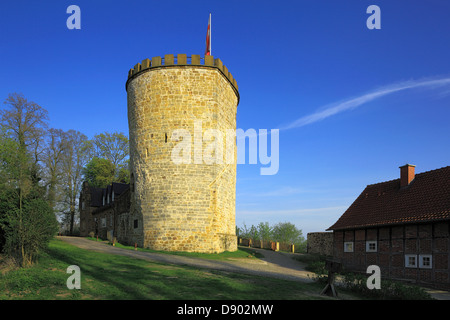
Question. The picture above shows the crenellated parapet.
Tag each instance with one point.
(170, 60)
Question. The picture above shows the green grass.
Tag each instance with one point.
(109, 277)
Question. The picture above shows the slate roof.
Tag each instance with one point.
(425, 199)
(119, 188)
(96, 197)
(98, 193)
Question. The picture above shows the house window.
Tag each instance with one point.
(410, 261)
(103, 200)
(103, 222)
(371, 246)
(135, 223)
(112, 197)
(425, 261)
(348, 246)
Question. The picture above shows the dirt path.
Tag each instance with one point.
(274, 264)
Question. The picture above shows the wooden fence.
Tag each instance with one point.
(271, 245)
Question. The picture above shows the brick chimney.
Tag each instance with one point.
(407, 173)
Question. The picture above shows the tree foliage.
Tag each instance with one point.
(284, 232)
(110, 160)
(28, 226)
(54, 159)
(26, 219)
(99, 172)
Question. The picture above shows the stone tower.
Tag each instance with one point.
(187, 206)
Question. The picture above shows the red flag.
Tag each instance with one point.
(208, 38)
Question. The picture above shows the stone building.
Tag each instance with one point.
(403, 226)
(183, 167)
(104, 212)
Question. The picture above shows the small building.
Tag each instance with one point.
(104, 212)
(402, 226)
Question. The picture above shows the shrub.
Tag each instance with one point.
(28, 228)
(390, 289)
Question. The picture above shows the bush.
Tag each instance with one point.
(28, 228)
(357, 282)
(390, 289)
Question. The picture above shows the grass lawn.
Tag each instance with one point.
(109, 277)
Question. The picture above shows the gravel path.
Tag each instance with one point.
(274, 264)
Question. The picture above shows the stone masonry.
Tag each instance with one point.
(320, 243)
(187, 206)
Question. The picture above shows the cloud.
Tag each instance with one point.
(349, 104)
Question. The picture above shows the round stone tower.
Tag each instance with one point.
(181, 113)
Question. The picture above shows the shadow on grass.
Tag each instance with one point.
(105, 276)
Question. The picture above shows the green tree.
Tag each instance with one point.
(28, 228)
(114, 147)
(26, 219)
(265, 231)
(26, 122)
(109, 159)
(287, 232)
(99, 172)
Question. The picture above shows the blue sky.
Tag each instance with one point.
(293, 61)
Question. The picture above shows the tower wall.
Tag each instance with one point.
(188, 206)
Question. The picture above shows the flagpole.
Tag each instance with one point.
(210, 34)
(208, 38)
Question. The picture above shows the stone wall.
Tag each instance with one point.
(320, 243)
(187, 205)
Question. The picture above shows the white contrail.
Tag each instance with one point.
(353, 103)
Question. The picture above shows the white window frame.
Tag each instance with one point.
(407, 261)
(421, 260)
(369, 243)
(348, 246)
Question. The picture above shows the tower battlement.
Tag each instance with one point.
(170, 60)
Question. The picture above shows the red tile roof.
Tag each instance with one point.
(426, 198)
